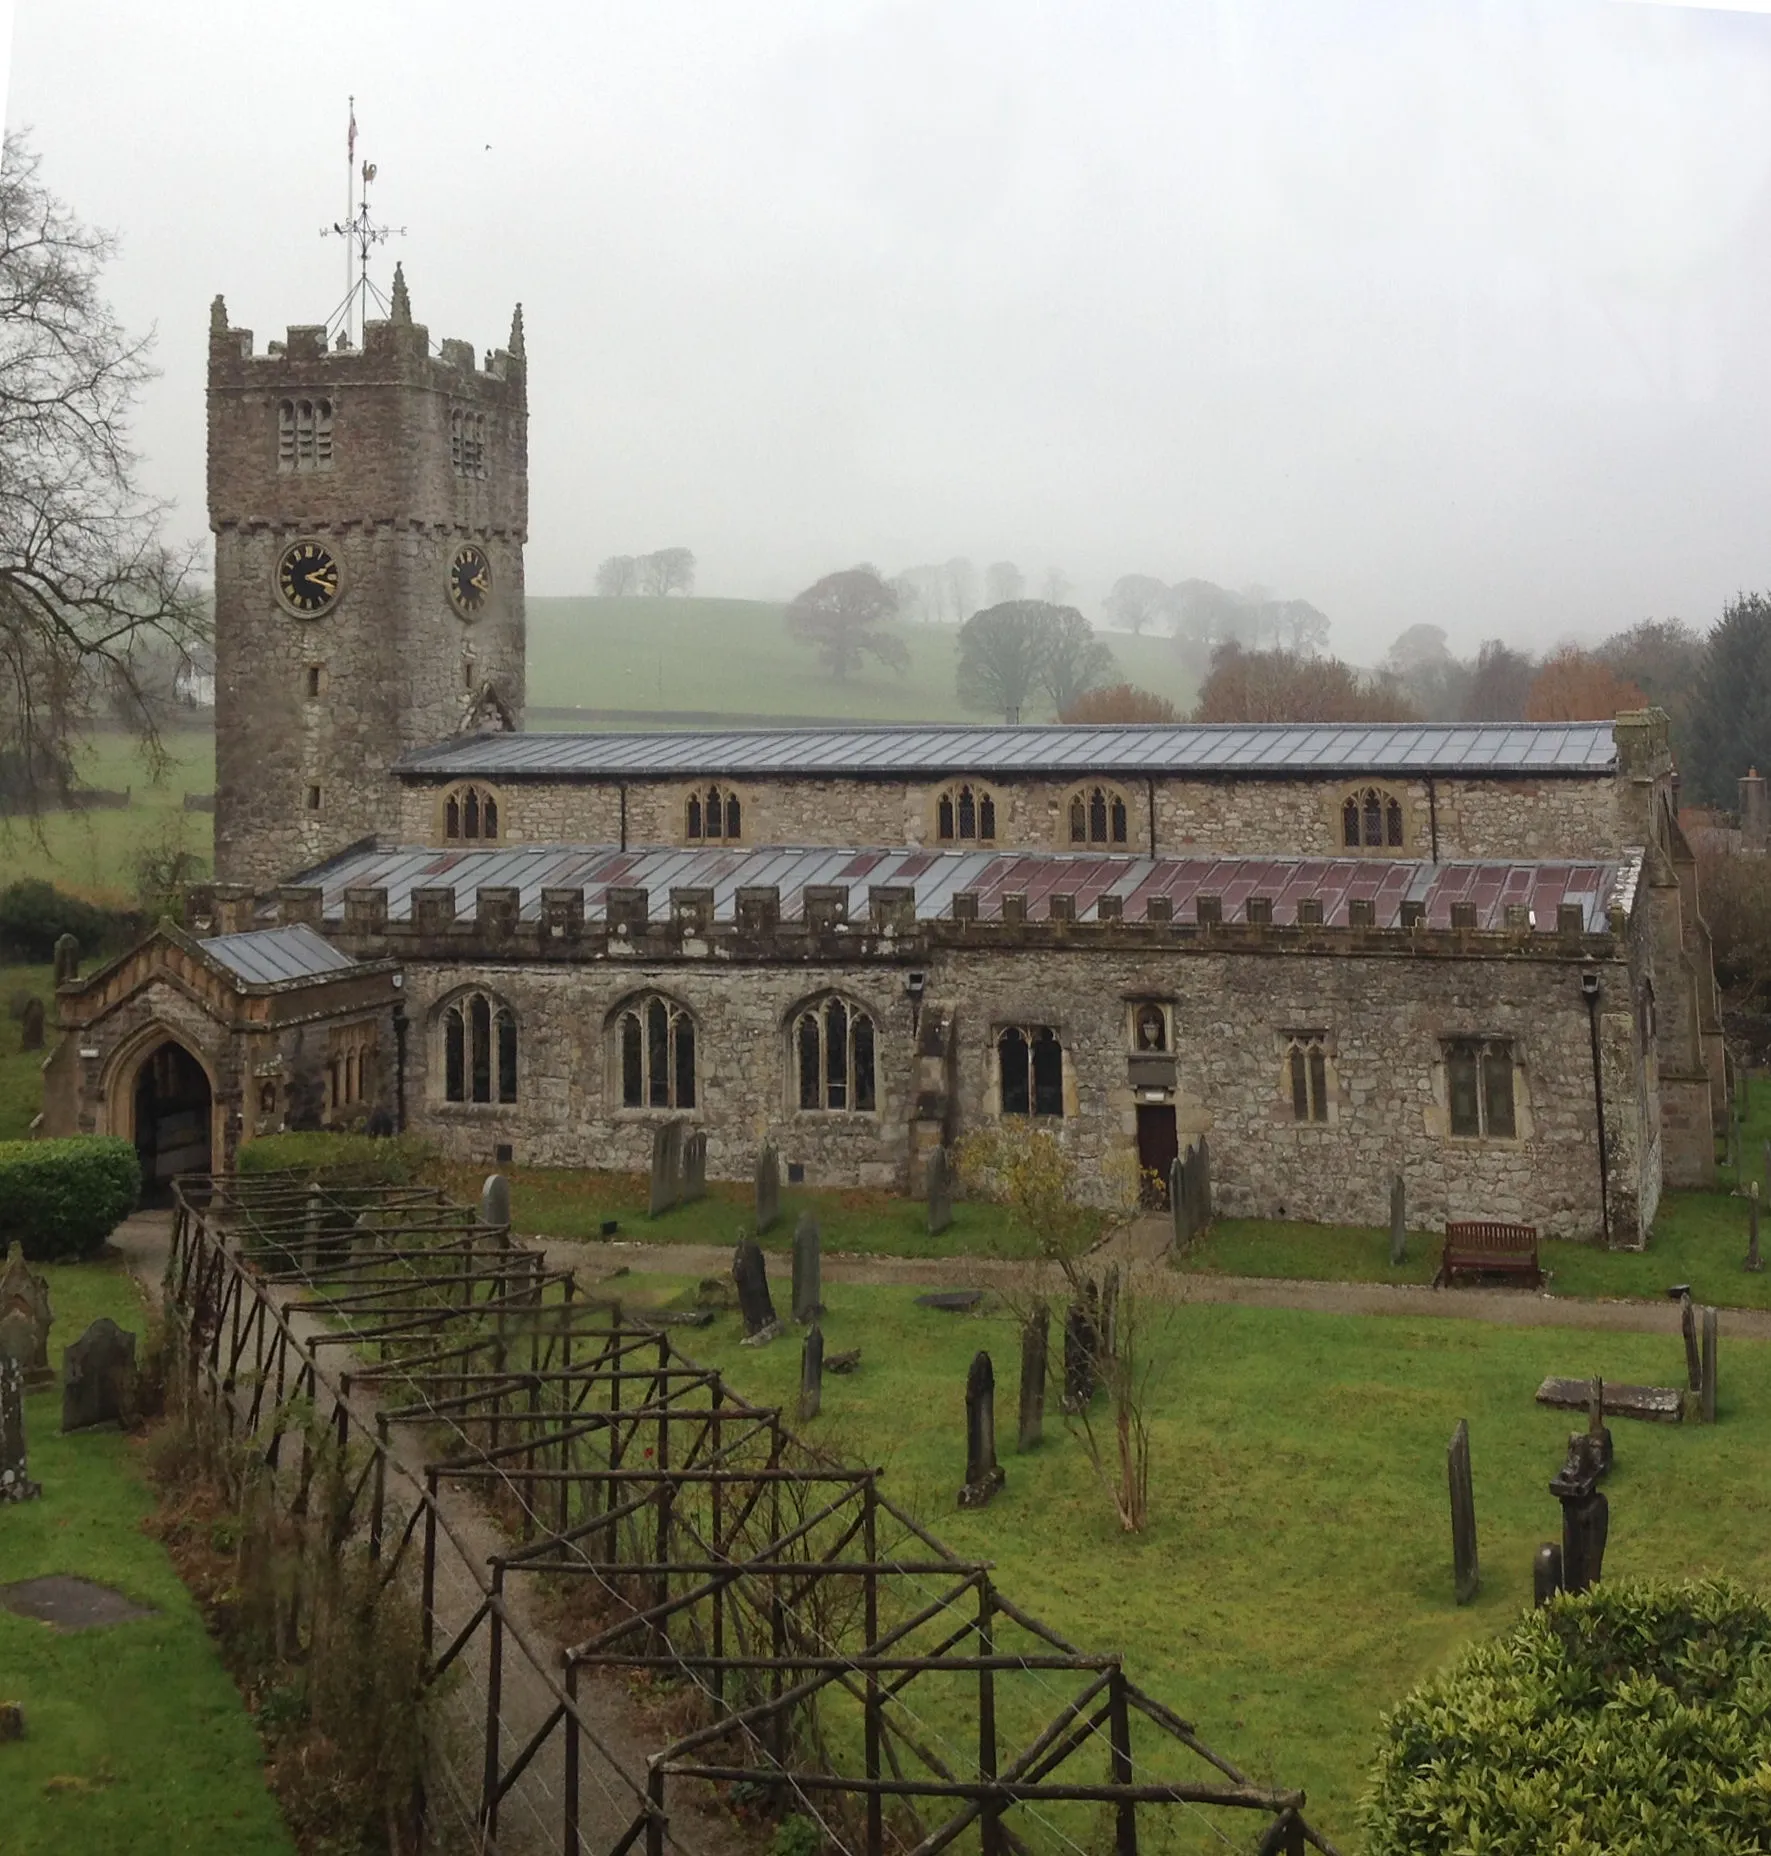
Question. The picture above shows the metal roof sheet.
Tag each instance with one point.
(937, 875)
(1130, 748)
(267, 955)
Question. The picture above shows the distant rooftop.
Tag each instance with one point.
(936, 875)
(1129, 748)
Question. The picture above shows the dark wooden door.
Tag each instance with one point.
(1158, 1145)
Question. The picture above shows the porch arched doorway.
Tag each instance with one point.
(173, 1119)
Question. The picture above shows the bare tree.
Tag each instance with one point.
(618, 576)
(669, 570)
(1136, 600)
(1055, 586)
(848, 617)
(959, 582)
(1572, 685)
(1003, 581)
(1500, 685)
(1120, 702)
(90, 595)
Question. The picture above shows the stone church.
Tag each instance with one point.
(1471, 954)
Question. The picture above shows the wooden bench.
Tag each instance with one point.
(1484, 1248)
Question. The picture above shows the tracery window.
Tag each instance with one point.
(713, 816)
(1030, 1070)
(1479, 1088)
(965, 815)
(304, 435)
(1306, 1064)
(655, 1048)
(470, 815)
(833, 1057)
(1098, 815)
(1371, 820)
(467, 443)
(479, 1049)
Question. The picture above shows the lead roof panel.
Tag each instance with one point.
(267, 955)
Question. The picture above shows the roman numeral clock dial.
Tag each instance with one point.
(470, 581)
(307, 579)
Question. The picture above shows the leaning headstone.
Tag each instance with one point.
(1586, 1517)
(811, 1373)
(1109, 1322)
(1466, 1573)
(1688, 1327)
(67, 958)
(98, 1377)
(667, 1168)
(1398, 1221)
(808, 1271)
(939, 1178)
(768, 1188)
(983, 1474)
(695, 1166)
(1079, 1357)
(1179, 1211)
(15, 1484)
(495, 1202)
(30, 1026)
(1753, 1260)
(1202, 1206)
(1707, 1367)
(755, 1308)
(1546, 1573)
(1035, 1335)
(25, 1315)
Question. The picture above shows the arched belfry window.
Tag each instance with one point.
(833, 1057)
(965, 815)
(654, 1053)
(304, 435)
(1371, 820)
(470, 815)
(467, 442)
(713, 816)
(1098, 815)
(479, 1038)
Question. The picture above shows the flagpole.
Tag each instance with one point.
(350, 194)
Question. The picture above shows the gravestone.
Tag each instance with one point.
(751, 1275)
(1753, 1260)
(808, 1270)
(695, 1166)
(983, 1474)
(1598, 1431)
(844, 1362)
(1035, 1337)
(1688, 1327)
(495, 1202)
(768, 1188)
(1108, 1332)
(1179, 1212)
(1398, 1223)
(1466, 1573)
(98, 1377)
(1202, 1213)
(1586, 1517)
(667, 1168)
(811, 1373)
(1079, 1356)
(1707, 1367)
(15, 1484)
(1546, 1573)
(25, 1317)
(939, 1177)
(30, 1026)
(67, 958)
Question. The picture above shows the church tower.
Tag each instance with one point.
(370, 507)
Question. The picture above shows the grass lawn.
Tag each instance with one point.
(1296, 1578)
(136, 1743)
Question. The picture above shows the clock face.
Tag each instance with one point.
(470, 581)
(307, 578)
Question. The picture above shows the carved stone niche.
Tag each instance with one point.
(759, 908)
(562, 915)
(626, 910)
(365, 911)
(826, 907)
(300, 905)
(891, 907)
(433, 910)
(496, 910)
(691, 911)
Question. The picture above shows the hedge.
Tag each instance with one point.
(62, 1199)
(1633, 1718)
(34, 915)
(341, 1159)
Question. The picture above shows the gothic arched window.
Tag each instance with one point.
(479, 1035)
(1030, 1070)
(655, 1053)
(712, 816)
(470, 815)
(1098, 815)
(1371, 820)
(833, 1057)
(965, 815)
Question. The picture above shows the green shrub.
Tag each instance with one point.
(34, 915)
(341, 1159)
(1635, 1717)
(62, 1199)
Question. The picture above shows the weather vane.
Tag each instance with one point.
(361, 235)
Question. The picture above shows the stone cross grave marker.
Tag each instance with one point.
(1398, 1221)
(98, 1377)
(768, 1188)
(667, 1168)
(15, 1484)
(1466, 1572)
(495, 1202)
(1688, 1327)
(808, 1270)
(695, 1166)
(67, 958)
(1707, 1367)
(1035, 1339)
(811, 1373)
(1586, 1516)
(750, 1271)
(30, 1026)
(24, 1301)
(939, 1179)
(983, 1474)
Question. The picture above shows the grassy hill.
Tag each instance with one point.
(733, 657)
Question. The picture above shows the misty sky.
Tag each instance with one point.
(1451, 312)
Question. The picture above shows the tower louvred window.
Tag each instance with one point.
(304, 435)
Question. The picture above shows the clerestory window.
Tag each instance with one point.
(1371, 820)
(965, 815)
(1098, 815)
(714, 816)
(470, 815)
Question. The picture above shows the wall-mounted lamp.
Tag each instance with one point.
(915, 984)
(1589, 985)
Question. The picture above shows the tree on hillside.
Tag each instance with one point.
(91, 598)
(1731, 716)
(1663, 658)
(848, 617)
(959, 589)
(669, 570)
(1295, 625)
(1571, 686)
(1136, 600)
(1499, 685)
(1055, 587)
(1075, 659)
(1003, 581)
(1281, 686)
(618, 576)
(1120, 702)
(1001, 655)
(1205, 617)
